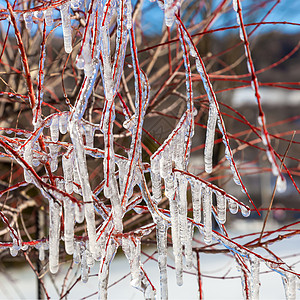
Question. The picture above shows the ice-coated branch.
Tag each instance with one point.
(254, 83)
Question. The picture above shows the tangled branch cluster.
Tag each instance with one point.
(86, 150)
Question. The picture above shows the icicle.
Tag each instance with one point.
(213, 107)
(38, 14)
(66, 26)
(79, 62)
(84, 266)
(91, 227)
(170, 7)
(54, 236)
(233, 206)
(124, 22)
(166, 163)
(180, 149)
(36, 157)
(196, 189)
(14, 250)
(289, 282)
(255, 284)
(76, 253)
(89, 135)
(106, 70)
(242, 38)
(129, 123)
(132, 250)
(53, 149)
(169, 15)
(122, 164)
(270, 158)
(117, 210)
(37, 111)
(235, 5)
(79, 214)
(84, 59)
(175, 145)
(87, 57)
(156, 187)
(129, 14)
(67, 164)
(69, 218)
(177, 247)
(63, 123)
(149, 292)
(221, 207)
(210, 137)
(281, 184)
(90, 260)
(28, 20)
(245, 210)
(80, 155)
(207, 203)
(24, 247)
(111, 190)
(182, 208)
(54, 128)
(42, 252)
(49, 16)
(169, 186)
(29, 159)
(228, 156)
(76, 179)
(188, 248)
(155, 165)
(161, 239)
